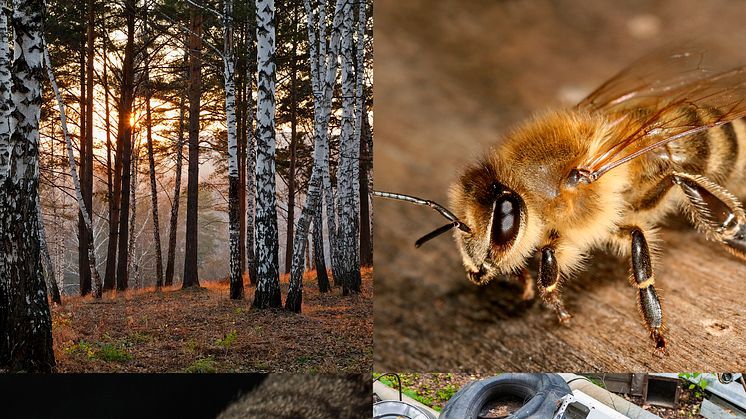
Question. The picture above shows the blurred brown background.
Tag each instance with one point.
(451, 77)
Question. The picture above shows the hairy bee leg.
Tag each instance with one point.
(549, 283)
(715, 211)
(647, 298)
(528, 284)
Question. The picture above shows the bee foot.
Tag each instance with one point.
(564, 317)
(660, 344)
(528, 294)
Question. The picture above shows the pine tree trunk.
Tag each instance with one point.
(153, 184)
(173, 226)
(108, 277)
(362, 128)
(131, 267)
(191, 278)
(268, 282)
(125, 137)
(83, 238)
(250, 175)
(293, 143)
(29, 324)
(366, 237)
(91, 268)
(234, 228)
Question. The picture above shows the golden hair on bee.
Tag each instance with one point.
(662, 136)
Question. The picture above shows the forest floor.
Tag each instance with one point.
(202, 330)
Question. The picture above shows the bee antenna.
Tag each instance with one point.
(435, 233)
(455, 222)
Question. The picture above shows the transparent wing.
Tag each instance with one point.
(661, 98)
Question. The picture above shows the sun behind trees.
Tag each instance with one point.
(272, 103)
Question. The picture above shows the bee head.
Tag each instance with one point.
(491, 206)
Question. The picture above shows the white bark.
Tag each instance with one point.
(320, 175)
(28, 328)
(76, 181)
(346, 244)
(234, 227)
(267, 246)
(5, 102)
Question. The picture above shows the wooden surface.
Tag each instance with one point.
(451, 77)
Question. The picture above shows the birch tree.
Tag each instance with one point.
(322, 96)
(6, 106)
(84, 210)
(29, 325)
(234, 228)
(347, 175)
(54, 291)
(268, 283)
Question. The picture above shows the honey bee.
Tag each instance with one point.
(667, 134)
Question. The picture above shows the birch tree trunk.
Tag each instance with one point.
(84, 210)
(349, 154)
(173, 226)
(322, 93)
(29, 325)
(6, 107)
(268, 282)
(153, 184)
(54, 291)
(191, 278)
(250, 175)
(234, 227)
(318, 252)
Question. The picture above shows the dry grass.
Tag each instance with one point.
(202, 330)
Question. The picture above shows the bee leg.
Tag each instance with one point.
(647, 298)
(549, 282)
(528, 284)
(715, 212)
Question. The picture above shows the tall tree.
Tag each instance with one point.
(125, 137)
(83, 208)
(250, 170)
(29, 327)
(323, 65)
(347, 175)
(318, 251)
(6, 107)
(172, 229)
(268, 282)
(195, 87)
(54, 291)
(86, 144)
(234, 228)
(293, 138)
(151, 164)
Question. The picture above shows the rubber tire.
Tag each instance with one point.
(542, 392)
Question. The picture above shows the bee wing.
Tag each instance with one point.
(659, 87)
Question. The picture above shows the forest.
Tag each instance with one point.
(185, 185)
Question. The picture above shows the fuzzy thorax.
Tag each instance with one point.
(535, 161)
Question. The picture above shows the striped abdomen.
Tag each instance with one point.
(719, 154)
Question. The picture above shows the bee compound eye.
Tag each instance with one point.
(505, 219)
